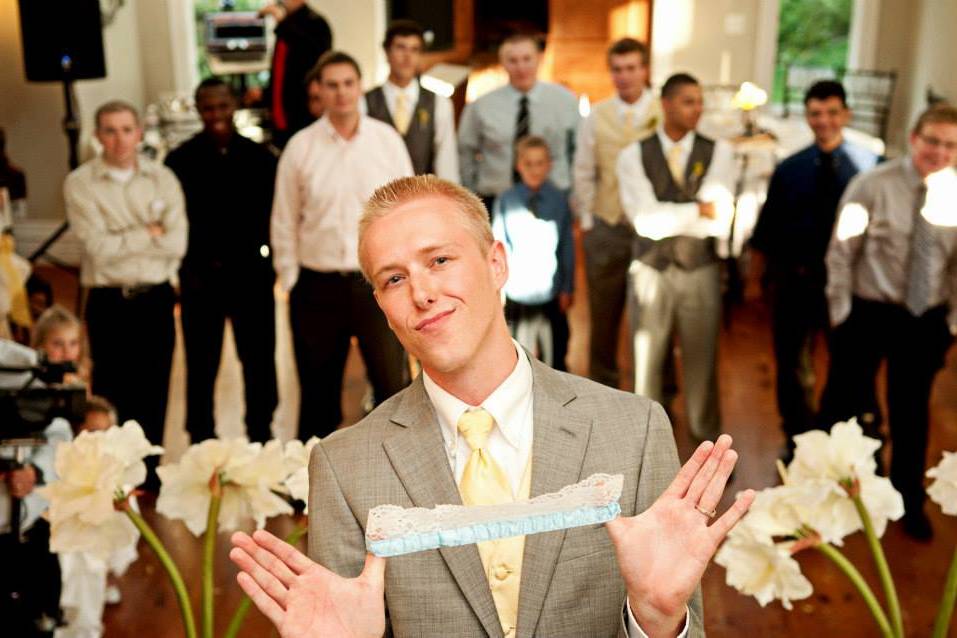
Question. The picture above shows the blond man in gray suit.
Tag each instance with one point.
(427, 249)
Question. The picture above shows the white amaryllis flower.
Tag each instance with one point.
(248, 474)
(296, 454)
(943, 490)
(765, 570)
(843, 454)
(95, 471)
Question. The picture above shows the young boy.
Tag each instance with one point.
(534, 222)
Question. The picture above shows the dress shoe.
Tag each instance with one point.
(917, 526)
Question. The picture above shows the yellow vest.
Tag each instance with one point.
(502, 560)
(611, 136)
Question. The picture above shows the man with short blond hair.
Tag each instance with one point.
(609, 237)
(492, 124)
(891, 293)
(438, 278)
(128, 212)
(325, 175)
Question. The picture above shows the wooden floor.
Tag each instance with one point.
(148, 609)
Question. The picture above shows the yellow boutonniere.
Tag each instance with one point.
(697, 170)
(652, 122)
(423, 117)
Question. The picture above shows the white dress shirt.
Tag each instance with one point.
(509, 442)
(446, 161)
(657, 220)
(322, 183)
(585, 166)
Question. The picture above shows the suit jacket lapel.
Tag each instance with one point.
(558, 451)
(417, 452)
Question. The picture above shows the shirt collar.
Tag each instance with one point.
(325, 125)
(102, 170)
(638, 106)
(504, 404)
(532, 93)
(666, 142)
(411, 91)
(911, 175)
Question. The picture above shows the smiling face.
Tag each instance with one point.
(934, 147)
(437, 285)
(827, 118)
(216, 107)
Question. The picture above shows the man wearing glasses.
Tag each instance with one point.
(891, 268)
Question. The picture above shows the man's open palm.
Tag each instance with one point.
(663, 552)
(302, 598)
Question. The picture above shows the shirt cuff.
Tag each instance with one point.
(840, 308)
(288, 278)
(634, 631)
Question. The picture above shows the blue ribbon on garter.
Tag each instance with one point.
(494, 530)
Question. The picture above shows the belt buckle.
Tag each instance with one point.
(131, 291)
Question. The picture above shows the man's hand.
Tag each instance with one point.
(302, 598)
(663, 552)
(155, 229)
(707, 210)
(565, 301)
(22, 481)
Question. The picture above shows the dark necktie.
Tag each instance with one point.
(917, 298)
(534, 202)
(522, 129)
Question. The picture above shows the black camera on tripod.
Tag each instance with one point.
(27, 407)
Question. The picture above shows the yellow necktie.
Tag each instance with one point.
(19, 305)
(630, 120)
(402, 116)
(483, 482)
(676, 165)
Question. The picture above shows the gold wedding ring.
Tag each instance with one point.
(710, 514)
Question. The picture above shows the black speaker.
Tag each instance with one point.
(62, 39)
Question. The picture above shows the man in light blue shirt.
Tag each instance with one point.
(491, 125)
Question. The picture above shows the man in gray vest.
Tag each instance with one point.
(424, 119)
(676, 186)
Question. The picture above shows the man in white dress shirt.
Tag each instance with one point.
(491, 125)
(676, 186)
(424, 119)
(325, 175)
(626, 117)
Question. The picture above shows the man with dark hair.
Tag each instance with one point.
(302, 36)
(676, 188)
(127, 211)
(789, 243)
(632, 113)
(492, 124)
(424, 119)
(325, 175)
(891, 268)
(227, 272)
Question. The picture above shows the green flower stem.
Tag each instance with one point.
(855, 577)
(240, 616)
(880, 561)
(942, 624)
(176, 579)
(209, 558)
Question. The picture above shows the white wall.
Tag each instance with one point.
(358, 27)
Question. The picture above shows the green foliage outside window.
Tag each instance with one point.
(812, 33)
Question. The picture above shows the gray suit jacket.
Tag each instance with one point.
(570, 585)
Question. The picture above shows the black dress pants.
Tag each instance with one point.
(326, 309)
(914, 348)
(132, 336)
(207, 299)
(798, 315)
(517, 314)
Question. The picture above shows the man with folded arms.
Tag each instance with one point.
(487, 424)
(128, 213)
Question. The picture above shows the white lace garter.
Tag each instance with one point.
(392, 530)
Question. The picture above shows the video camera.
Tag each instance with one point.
(31, 395)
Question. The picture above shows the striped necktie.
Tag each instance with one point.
(523, 127)
(917, 298)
